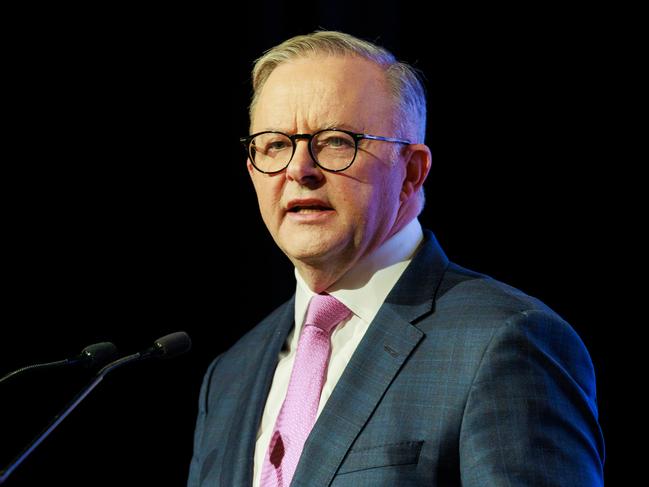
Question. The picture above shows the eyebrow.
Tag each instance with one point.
(342, 125)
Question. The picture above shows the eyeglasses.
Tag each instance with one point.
(333, 149)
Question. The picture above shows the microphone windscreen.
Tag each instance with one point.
(98, 353)
(173, 344)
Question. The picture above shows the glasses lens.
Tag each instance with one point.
(333, 149)
(271, 151)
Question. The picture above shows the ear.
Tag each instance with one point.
(418, 161)
(417, 165)
(251, 169)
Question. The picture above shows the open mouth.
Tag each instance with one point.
(309, 209)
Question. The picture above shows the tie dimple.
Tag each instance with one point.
(325, 312)
(298, 413)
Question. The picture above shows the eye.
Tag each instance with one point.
(272, 144)
(337, 142)
(278, 145)
(334, 140)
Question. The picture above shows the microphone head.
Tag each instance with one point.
(173, 344)
(97, 354)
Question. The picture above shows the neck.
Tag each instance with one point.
(321, 274)
(318, 277)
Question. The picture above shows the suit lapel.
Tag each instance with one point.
(364, 381)
(238, 460)
(388, 342)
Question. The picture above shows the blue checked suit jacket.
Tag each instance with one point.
(459, 380)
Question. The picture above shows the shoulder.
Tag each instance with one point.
(475, 293)
(504, 318)
(480, 299)
(532, 383)
(456, 294)
(479, 311)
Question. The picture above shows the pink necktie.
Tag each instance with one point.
(298, 413)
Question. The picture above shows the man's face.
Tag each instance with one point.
(320, 218)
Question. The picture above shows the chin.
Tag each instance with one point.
(308, 255)
(311, 249)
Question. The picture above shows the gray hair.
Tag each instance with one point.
(404, 81)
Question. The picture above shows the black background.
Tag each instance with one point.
(128, 213)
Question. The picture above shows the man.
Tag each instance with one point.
(389, 366)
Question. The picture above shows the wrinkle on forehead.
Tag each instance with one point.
(309, 94)
(323, 126)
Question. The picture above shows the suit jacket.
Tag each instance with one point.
(459, 380)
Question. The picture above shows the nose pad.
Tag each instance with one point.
(302, 165)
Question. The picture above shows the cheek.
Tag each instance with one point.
(361, 191)
(268, 196)
(362, 203)
(383, 200)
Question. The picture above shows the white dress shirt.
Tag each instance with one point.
(363, 290)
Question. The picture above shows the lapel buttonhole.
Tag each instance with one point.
(391, 350)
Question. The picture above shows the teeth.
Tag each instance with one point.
(308, 209)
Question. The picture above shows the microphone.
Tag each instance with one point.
(167, 346)
(92, 355)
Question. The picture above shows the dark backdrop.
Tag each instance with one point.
(128, 213)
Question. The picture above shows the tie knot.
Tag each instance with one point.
(326, 312)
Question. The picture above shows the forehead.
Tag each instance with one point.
(322, 90)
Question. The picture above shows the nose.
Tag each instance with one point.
(302, 168)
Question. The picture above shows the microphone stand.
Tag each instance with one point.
(165, 347)
(58, 363)
(4, 474)
(91, 355)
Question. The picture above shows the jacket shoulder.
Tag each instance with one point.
(465, 293)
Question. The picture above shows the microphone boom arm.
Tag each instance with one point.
(165, 347)
(4, 475)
